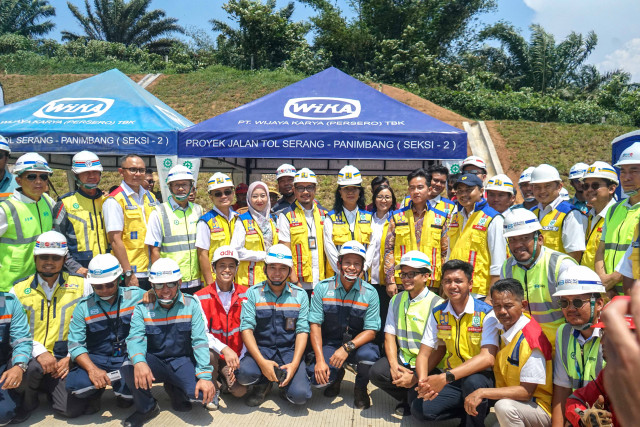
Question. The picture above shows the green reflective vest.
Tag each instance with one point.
(26, 221)
(411, 319)
(179, 237)
(539, 284)
(581, 363)
(620, 224)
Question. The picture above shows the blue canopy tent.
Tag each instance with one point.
(108, 114)
(320, 120)
(618, 145)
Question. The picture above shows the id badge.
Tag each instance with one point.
(114, 375)
(290, 324)
(118, 348)
(312, 243)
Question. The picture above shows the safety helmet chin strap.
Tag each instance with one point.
(182, 198)
(86, 186)
(591, 317)
(534, 253)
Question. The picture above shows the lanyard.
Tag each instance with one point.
(117, 325)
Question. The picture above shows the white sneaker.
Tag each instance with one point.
(215, 404)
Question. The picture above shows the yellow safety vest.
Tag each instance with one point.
(383, 238)
(621, 221)
(135, 227)
(221, 231)
(430, 244)
(470, 243)
(26, 221)
(179, 237)
(249, 272)
(511, 358)
(411, 319)
(592, 240)
(463, 337)
(300, 242)
(342, 233)
(552, 225)
(85, 215)
(49, 320)
(539, 284)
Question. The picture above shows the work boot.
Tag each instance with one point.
(21, 416)
(123, 402)
(361, 399)
(137, 419)
(258, 394)
(93, 406)
(403, 409)
(334, 388)
(179, 401)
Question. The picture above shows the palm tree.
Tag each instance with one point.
(24, 17)
(125, 22)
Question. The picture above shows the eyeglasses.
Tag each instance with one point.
(309, 188)
(220, 193)
(385, 198)
(170, 285)
(34, 176)
(594, 186)
(99, 287)
(577, 303)
(409, 275)
(177, 185)
(50, 257)
(136, 170)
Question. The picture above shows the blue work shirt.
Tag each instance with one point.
(16, 342)
(90, 331)
(7, 184)
(275, 320)
(170, 335)
(334, 309)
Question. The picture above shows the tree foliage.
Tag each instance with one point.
(126, 22)
(26, 17)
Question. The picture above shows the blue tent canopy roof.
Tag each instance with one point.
(329, 115)
(108, 114)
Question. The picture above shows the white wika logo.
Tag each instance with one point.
(322, 108)
(74, 108)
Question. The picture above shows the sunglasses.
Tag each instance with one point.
(308, 188)
(577, 303)
(594, 186)
(136, 170)
(409, 275)
(102, 286)
(220, 193)
(50, 257)
(170, 285)
(34, 176)
(475, 171)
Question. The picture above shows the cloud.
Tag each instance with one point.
(614, 21)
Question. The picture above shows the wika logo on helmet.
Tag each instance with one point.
(322, 108)
(74, 108)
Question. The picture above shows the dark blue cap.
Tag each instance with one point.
(470, 180)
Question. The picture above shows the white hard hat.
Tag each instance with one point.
(601, 170)
(31, 162)
(544, 173)
(4, 144)
(564, 194)
(526, 175)
(51, 242)
(520, 221)
(578, 279)
(475, 161)
(353, 247)
(415, 259)
(279, 254)
(502, 183)
(285, 169)
(104, 268)
(179, 173)
(630, 156)
(305, 175)
(349, 175)
(86, 161)
(225, 252)
(219, 180)
(578, 170)
(164, 270)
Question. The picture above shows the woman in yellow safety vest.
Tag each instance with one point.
(254, 233)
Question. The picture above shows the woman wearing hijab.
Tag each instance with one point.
(254, 233)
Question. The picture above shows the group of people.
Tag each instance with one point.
(484, 302)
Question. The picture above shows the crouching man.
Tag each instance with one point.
(167, 343)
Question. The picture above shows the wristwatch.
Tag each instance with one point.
(22, 366)
(349, 346)
(449, 377)
(128, 273)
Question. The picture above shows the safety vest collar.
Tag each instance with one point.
(128, 191)
(602, 214)
(174, 205)
(508, 335)
(550, 207)
(18, 194)
(468, 308)
(595, 334)
(267, 288)
(422, 295)
(357, 285)
(217, 212)
(80, 191)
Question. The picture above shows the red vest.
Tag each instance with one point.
(222, 325)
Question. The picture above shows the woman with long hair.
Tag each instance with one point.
(254, 233)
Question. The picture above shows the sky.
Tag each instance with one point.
(614, 21)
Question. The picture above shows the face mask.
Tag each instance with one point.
(632, 193)
(86, 186)
(350, 276)
(106, 298)
(529, 199)
(274, 283)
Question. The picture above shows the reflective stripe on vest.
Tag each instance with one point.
(342, 231)
(584, 368)
(620, 226)
(86, 217)
(251, 273)
(299, 232)
(592, 242)
(179, 237)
